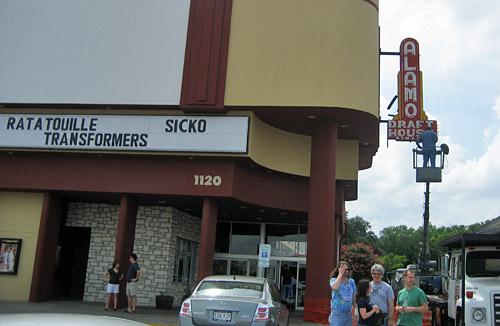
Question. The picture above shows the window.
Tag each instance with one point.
(220, 267)
(185, 258)
(284, 239)
(245, 239)
(275, 293)
(230, 289)
(222, 236)
(483, 264)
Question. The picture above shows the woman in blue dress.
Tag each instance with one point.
(343, 289)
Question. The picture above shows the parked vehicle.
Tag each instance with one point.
(234, 300)
(397, 281)
(63, 319)
(431, 283)
(471, 282)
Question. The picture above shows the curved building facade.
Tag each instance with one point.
(188, 132)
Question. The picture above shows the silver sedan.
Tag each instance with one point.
(63, 319)
(234, 300)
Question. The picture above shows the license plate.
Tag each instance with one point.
(222, 316)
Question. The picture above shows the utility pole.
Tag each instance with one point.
(425, 247)
(428, 175)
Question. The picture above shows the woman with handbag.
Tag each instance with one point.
(366, 310)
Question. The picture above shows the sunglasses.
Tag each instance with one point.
(376, 273)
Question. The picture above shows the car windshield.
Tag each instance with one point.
(231, 289)
(483, 264)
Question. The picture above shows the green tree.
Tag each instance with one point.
(361, 258)
(391, 262)
(359, 231)
(401, 240)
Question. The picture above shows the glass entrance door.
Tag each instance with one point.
(298, 269)
(301, 285)
(247, 267)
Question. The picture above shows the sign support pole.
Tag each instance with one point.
(425, 246)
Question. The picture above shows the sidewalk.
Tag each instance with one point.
(147, 315)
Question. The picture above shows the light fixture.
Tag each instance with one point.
(311, 116)
(479, 314)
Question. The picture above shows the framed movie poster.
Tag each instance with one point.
(10, 251)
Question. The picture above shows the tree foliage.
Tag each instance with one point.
(396, 246)
(401, 240)
(359, 231)
(391, 262)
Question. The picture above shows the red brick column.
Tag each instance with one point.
(322, 240)
(207, 240)
(125, 237)
(45, 256)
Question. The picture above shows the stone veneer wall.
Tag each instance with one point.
(157, 230)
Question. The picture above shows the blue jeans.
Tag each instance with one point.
(340, 318)
(429, 155)
(287, 291)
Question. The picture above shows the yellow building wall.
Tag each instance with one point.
(20, 215)
(291, 153)
(320, 53)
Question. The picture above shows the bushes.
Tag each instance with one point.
(361, 258)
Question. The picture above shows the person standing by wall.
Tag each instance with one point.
(382, 294)
(429, 139)
(132, 278)
(411, 302)
(113, 275)
(343, 289)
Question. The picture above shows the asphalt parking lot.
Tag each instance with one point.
(147, 315)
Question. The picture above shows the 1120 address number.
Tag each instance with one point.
(207, 180)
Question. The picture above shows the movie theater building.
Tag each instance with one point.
(188, 132)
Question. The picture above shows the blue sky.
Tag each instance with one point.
(460, 62)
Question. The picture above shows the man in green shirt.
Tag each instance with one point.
(412, 302)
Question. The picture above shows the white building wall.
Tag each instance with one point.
(157, 230)
(92, 51)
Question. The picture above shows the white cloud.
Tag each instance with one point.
(389, 194)
(451, 34)
(459, 57)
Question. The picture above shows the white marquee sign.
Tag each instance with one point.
(207, 134)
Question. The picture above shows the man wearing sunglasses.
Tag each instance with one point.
(382, 294)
